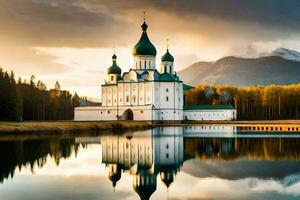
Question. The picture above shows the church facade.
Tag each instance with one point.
(144, 93)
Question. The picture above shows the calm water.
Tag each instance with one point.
(164, 163)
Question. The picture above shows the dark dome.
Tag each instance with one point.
(167, 178)
(115, 177)
(147, 188)
(144, 46)
(114, 69)
(167, 57)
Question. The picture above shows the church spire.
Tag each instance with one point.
(144, 25)
(167, 44)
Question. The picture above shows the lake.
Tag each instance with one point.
(187, 162)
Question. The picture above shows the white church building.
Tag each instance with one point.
(144, 93)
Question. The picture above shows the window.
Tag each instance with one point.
(145, 64)
(111, 78)
(167, 146)
(127, 98)
(167, 98)
(167, 90)
(142, 111)
(108, 111)
(134, 98)
(140, 64)
(167, 155)
(120, 99)
(165, 69)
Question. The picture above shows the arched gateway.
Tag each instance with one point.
(127, 115)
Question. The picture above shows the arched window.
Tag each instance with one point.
(127, 98)
(145, 64)
(140, 65)
(165, 69)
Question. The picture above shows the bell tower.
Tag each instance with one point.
(144, 52)
(167, 61)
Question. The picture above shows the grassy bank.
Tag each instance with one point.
(69, 126)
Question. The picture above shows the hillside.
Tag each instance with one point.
(243, 71)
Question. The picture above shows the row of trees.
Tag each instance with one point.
(260, 102)
(32, 101)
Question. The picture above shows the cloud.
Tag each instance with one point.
(93, 23)
(199, 30)
(27, 61)
(55, 23)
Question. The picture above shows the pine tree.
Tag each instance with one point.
(75, 100)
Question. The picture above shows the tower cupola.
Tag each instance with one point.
(114, 71)
(167, 61)
(144, 52)
(144, 47)
(167, 57)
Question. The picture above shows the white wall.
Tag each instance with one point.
(140, 62)
(137, 93)
(111, 112)
(87, 113)
(169, 66)
(209, 114)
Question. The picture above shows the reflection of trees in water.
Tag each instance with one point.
(249, 148)
(33, 153)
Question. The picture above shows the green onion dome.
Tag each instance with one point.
(144, 46)
(167, 57)
(114, 69)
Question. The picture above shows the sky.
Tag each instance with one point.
(72, 41)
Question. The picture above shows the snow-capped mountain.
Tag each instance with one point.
(286, 54)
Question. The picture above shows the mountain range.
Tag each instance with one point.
(281, 66)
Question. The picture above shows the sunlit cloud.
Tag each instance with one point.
(68, 40)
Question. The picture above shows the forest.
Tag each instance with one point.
(252, 103)
(32, 101)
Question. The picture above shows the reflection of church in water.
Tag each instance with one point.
(144, 156)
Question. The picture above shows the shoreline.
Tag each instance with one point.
(75, 127)
(66, 127)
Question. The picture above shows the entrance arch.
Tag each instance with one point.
(127, 115)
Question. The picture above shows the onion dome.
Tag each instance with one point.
(167, 178)
(167, 57)
(114, 69)
(146, 186)
(115, 175)
(144, 47)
